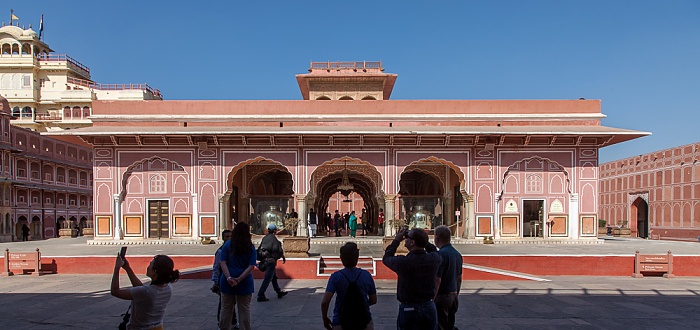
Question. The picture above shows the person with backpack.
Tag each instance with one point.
(216, 273)
(273, 246)
(356, 292)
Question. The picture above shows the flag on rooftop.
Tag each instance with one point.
(41, 26)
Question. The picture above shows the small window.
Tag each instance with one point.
(71, 202)
(60, 201)
(35, 200)
(48, 201)
(20, 199)
(21, 172)
(26, 81)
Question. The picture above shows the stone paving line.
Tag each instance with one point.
(611, 246)
(84, 302)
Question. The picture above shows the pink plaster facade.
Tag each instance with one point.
(509, 169)
(45, 183)
(656, 195)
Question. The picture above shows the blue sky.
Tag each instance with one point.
(641, 58)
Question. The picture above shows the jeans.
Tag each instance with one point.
(417, 316)
(447, 305)
(228, 303)
(270, 276)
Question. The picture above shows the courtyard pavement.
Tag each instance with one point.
(84, 302)
(371, 246)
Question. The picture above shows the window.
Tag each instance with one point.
(21, 172)
(35, 200)
(157, 183)
(20, 199)
(60, 201)
(26, 81)
(533, 184)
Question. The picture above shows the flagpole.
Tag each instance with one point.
(12, 14)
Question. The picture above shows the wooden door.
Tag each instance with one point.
(158, 219)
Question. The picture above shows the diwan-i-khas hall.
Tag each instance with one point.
(511, 169)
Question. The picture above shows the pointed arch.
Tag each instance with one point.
(234, 170)
(139, 166)
(552, 166)
(432, 159)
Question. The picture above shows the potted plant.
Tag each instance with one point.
(295, 246)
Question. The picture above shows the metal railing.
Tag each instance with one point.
(113, 87)
(356, 65)
(63, 58)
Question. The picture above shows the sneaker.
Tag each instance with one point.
(281, 294)
(261, 299)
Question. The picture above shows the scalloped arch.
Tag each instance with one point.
(135, 165)
(433, 159)
(317, 178)
(514, 167)
(250, 161)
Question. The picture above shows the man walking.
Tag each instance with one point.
(380, 222)
(274, 247)
(215, 274)
(417, 278)
(449, 280)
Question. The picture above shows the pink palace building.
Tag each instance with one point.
(656, 195)
(511, 169)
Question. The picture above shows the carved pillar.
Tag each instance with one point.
(389, 214)
(195, 216)
(448, 217)
(118, 232)
(301, 209)
(222, 211)
(469, 216)
(494, 222)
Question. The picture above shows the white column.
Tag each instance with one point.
(301, 210)
(195, 216)
(389, 215)
(469, 216)
(494, 224)
(223, 223)
(573, 217)
(118, 232)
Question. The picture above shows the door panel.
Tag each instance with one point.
(158, 219)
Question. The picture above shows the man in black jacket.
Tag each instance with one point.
(274, 247)
(417, 277)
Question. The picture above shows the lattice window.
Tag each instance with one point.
(157, 183)
(533, 184)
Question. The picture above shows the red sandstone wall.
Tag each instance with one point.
(669, 180)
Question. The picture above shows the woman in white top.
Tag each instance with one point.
(148, 301)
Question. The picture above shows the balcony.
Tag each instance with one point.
(115, 87)
(69, 62)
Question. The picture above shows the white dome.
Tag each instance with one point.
(29, 32)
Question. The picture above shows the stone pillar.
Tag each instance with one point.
(469, 217)
(448, 216)
(195, 216)
(301, 209)
(389, 214)
(244, 211)
(494, 222)
(118, 232)
(574, 217)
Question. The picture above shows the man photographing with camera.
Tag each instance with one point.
(417, 279)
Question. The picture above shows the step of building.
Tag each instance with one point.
(329, 265)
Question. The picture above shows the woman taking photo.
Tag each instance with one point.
(147, 301)
(238, 257)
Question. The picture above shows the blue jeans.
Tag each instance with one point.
(418, 316)
(270, 276)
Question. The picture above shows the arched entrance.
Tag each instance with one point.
(261, 192)
(35, 228)
(430, 194)
(21, 221)
(348, 184)
(640, 215)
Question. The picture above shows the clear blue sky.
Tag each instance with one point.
(641, 58)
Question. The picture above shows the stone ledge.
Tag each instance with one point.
(144, 242)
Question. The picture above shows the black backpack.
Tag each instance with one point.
(354, 314)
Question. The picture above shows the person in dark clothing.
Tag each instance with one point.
(215, 277)
(449, 280)
(274, 247)
(25, 232)
(312, 219)
(417, 278)
(338, 223)
(328, 223)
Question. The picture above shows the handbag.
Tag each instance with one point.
(125, 319)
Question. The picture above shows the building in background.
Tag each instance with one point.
(46, 182)
(512, 169)
(656, 195)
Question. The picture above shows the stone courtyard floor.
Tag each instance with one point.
(84, 302)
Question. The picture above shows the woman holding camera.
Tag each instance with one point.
(148, 302)
(238, 257)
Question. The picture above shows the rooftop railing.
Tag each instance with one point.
(64, 58)
(114, 87)
(357, 65)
